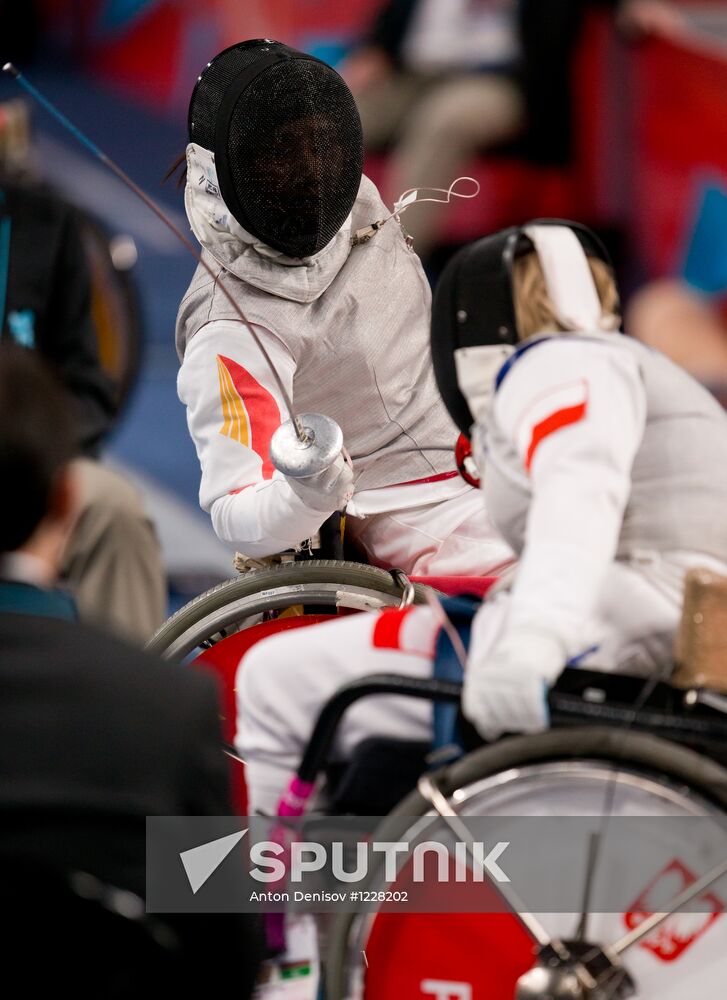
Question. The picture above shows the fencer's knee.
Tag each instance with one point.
(263, 672)
(250, 673)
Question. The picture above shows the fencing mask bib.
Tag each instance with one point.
(286, 136)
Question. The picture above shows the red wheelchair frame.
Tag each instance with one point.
(224, 658)
(417, 955)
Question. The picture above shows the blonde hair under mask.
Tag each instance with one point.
(568, 279)
(556, 291)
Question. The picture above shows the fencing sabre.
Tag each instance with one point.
(305, 444)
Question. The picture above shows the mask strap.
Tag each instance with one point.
(568, 277)
(411, 197)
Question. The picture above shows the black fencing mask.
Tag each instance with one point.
(287, 141)
(473, 308)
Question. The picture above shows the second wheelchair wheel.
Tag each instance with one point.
(238, 603)
(389, 955)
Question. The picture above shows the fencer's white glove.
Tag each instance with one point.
(326, 491)
(507, 692)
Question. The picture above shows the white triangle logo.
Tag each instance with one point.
(203, 861)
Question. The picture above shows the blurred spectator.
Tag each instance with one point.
(15, 145)
(686, 326)
(443, 81)
(88, 724)
(112, 561)
(94, 735)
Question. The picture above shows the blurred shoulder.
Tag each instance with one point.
(93, 658)
(547, 357)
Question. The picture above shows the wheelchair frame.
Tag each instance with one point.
(235, 604)
(618, 731)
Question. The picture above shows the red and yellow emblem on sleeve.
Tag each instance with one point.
(236, 422)
(250, 414)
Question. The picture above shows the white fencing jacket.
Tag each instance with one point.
(348, 332)
(598, 449)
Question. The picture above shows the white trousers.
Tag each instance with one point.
(283, 682)
(452, 537)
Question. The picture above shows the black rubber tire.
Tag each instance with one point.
(295, 573)
(628, 751)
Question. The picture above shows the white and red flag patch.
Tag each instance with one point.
(680, 931)
(559, 407)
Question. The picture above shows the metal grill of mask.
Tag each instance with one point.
(287, 140)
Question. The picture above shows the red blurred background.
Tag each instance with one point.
(651, 125)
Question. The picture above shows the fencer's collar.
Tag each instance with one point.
(245, 256)
(477, 370)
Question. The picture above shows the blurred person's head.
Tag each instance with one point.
(15, 140)
(546, 278)
(686, 325)
(36, 447)
(286, 140)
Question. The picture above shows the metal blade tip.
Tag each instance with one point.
(12, 70)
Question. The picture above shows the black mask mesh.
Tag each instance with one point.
(289, 151)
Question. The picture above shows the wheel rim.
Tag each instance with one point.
(240, 611)
(433, 948)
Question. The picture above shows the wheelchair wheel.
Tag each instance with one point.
(236, 604)
(574, 772)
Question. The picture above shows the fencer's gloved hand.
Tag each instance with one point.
(508, 691)
(328, 490)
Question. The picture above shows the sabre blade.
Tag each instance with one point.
(91, 146)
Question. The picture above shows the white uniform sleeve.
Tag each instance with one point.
(233, 409)
(575, 412)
